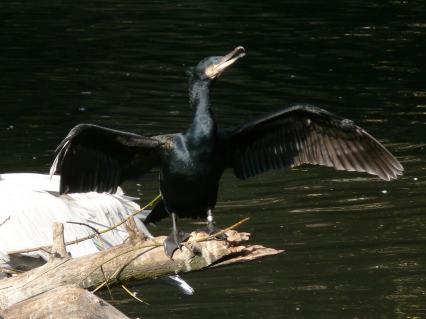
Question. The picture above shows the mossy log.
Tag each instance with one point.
(134, 260)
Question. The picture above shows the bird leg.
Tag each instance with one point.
(174, 240)
(211, 227)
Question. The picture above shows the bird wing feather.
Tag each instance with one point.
(307, 135)
(95, 158)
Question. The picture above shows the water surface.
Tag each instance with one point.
(355, 245)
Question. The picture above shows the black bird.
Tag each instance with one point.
(94, 158)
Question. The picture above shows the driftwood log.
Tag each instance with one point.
(135, 260)
(63, 302)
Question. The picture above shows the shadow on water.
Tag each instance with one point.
(355, 245)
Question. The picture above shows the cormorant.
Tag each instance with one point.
(94, 158)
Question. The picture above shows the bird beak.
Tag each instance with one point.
(227, 60)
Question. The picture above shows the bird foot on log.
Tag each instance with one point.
(174, 241)
(232, 237)
(212, 229)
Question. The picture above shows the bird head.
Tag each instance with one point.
(212, 67)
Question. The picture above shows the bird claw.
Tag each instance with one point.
(173, 242)
(211, 229)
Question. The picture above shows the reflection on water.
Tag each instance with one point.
(355, 246)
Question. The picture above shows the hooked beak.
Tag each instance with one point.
(227, 60)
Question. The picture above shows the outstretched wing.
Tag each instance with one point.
(307, 135)
(95, 158)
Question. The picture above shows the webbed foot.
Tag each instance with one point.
(173, 241)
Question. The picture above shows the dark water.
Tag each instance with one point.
(356, 246)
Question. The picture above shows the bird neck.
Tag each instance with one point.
(203, 123)
(199, 97)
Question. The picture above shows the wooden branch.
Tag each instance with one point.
(63, 302)
(130, 261)
(58, 247)
(134, 234)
